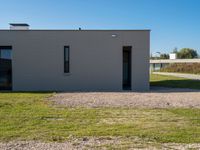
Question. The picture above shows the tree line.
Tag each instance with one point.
(184, 53)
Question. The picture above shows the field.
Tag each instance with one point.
(32, 117)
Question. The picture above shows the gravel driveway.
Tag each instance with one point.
(155, 98)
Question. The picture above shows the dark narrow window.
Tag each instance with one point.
(127, 67)
(66, 59)
(5, 67)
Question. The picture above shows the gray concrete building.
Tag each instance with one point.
(74, 60)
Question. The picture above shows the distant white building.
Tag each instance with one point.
(172, 56)
(156, 65)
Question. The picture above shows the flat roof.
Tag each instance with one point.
(159, 61)
(19, 24)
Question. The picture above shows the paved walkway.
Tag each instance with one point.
(182, 75)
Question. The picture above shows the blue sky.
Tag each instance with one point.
(174, 23)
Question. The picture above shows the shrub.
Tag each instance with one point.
(193, 68)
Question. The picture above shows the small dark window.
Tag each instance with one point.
(6, 52)
(5, 67)
(66, 59)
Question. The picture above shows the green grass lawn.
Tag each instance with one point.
(175, 82)
(29, 116)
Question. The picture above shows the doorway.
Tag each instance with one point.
(127, 67)
(5, 68)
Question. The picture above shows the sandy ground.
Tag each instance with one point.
(157, 97)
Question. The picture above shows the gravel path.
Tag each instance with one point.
(181, 75)
(96, 143)
(156, 98)
(33, 145)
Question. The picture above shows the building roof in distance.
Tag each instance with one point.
(19, 24)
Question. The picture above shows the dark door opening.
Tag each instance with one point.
(5, 68)
(127, 67)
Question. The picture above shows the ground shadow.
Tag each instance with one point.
(163, 86)
(27, 92)
(183, 85)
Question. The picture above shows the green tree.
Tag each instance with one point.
(187, 53)
(175, 50)
(164, 56)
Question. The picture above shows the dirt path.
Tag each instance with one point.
(156, 98)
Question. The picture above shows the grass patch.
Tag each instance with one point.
(28, 116)
(175, 82)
